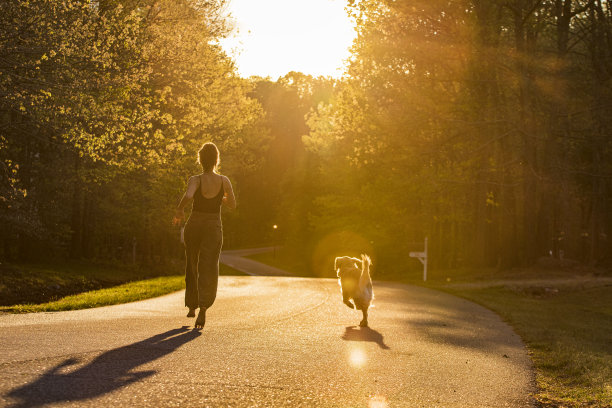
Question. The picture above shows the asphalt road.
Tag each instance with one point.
(268, 342)
(236, 260)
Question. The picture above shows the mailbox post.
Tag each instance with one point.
(422, 256)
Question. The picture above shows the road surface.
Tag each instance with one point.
(268, 342)
(235, 259)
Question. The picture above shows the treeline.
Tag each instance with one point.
(102, 108)
(485, 126)
(482, 125)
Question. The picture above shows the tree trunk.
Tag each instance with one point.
(523, 44)
(88, 227)
(76, 224)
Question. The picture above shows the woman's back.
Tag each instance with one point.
(210, 184)
(209, 193)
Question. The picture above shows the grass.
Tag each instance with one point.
(128, 292)
(72, 278)
(40, 283)
(568, 334)
(564, 316)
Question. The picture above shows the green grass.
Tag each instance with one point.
(123, 286)
(128, 292)
(28, 283)
(568, 335)
(564, 316)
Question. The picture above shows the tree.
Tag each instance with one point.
(104, 100)
(456, 121)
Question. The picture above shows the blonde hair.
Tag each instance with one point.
(208, 157)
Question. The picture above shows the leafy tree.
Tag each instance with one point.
(104, 106)
(461, 121)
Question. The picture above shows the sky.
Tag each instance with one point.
(273, 37)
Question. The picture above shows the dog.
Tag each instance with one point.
(355, 283)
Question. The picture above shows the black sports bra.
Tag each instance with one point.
(207, 205)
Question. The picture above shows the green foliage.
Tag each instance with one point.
(461, 121)
(103, 107)
(270, 190)
(478, 124)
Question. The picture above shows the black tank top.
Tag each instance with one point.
(207, 205)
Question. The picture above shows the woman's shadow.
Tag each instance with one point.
(355, 333)
(107, 372)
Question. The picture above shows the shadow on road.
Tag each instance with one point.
(464, 328)
(109, 371)
(355, 333)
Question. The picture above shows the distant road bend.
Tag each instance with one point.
(269, 341)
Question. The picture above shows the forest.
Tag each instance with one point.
(484, 125)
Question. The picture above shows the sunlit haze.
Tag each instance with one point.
(357, 357)
(273, 37)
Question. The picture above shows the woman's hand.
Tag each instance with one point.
(179, 216)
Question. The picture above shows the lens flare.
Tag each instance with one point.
(357, 357)
(378, 401)
(338, 243)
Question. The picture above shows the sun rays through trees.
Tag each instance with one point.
(482, 125)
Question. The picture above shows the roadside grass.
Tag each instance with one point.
(128, 292)
(564, 316)
(41, 283)
(567, 333)
(124, 292)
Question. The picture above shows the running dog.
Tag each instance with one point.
(355, 283)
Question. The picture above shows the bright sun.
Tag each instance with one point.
(273, 37)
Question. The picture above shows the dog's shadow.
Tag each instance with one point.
(356, 333)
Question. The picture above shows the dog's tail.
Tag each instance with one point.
(365, 281)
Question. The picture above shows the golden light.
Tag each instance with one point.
(378, 401)
(274, 37)
(275, 226)
(338, 243)
(357, 357)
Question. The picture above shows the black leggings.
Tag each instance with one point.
(203, 241)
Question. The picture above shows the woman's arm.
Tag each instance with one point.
(192, 186)
(228, 198)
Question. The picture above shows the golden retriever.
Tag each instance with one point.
(355, 283)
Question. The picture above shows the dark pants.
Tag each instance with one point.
(203, 241)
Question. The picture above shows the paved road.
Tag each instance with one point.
(268, 341)
(234, 258)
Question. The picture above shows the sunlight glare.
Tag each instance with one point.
(357, 357)
(378, 401)
(274, 37)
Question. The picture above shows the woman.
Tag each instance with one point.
(203, 231)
